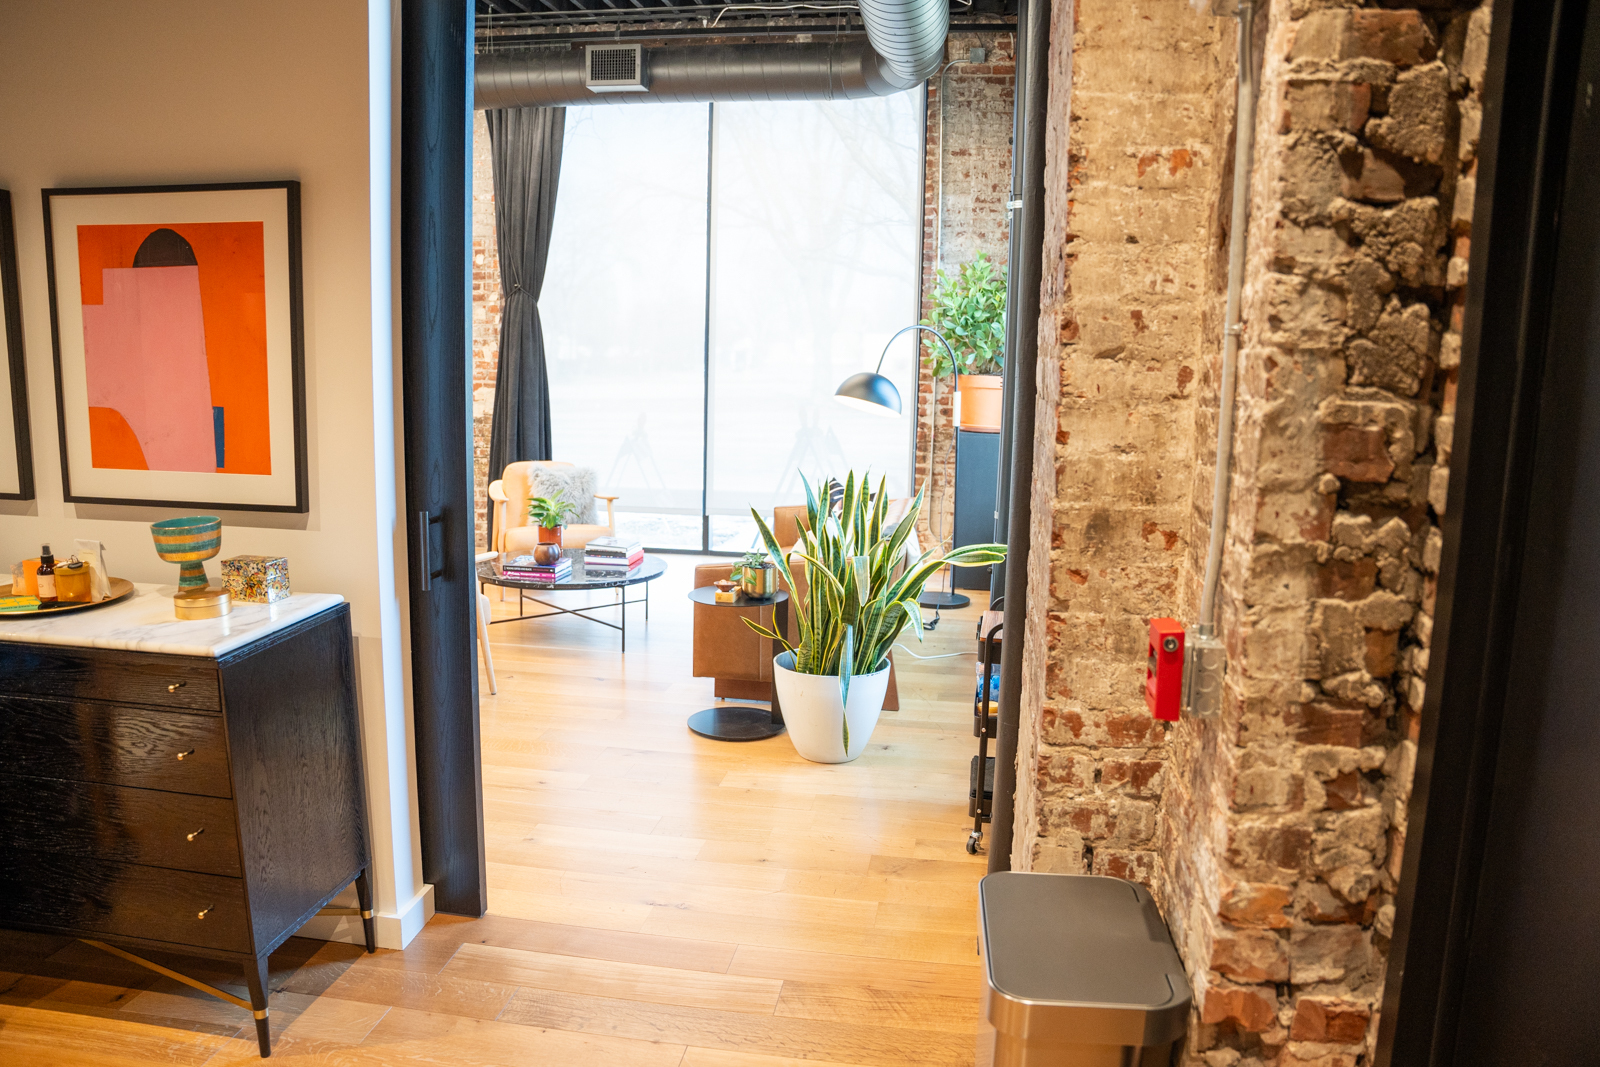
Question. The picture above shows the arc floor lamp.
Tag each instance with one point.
(871, 391)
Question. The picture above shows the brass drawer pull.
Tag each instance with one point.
(183, 754)
(197, 833)
(175, 686)
(205, 912)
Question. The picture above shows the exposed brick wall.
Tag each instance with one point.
(1137, 153)
(1271, 836)
(976, 155)
(485, 314)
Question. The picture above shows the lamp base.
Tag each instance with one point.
(938, 599)
(207, 603)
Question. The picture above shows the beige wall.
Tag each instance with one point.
(107, 93)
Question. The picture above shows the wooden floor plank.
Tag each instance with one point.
(628, 981)
(860, 1002)
(466, 995)
(804, 965)
(716, 1057)
(681, 953)
(38, 1037)
(736, 1032)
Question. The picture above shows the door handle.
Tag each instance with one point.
(429, 539)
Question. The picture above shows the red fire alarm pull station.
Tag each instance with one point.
(1163, 680)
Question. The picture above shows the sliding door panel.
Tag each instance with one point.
(623, 309)
(816, 251)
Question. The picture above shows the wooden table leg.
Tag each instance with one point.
(255, 976)
(364, 897)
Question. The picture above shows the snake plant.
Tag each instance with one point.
(860, 597)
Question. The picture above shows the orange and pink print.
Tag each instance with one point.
(175, 346)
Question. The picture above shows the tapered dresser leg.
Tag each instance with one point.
(364, 896)
(255, 975)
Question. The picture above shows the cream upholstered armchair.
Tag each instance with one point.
(513, 535)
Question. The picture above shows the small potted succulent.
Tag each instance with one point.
(550, 513)
(970, 311)
(756, 575)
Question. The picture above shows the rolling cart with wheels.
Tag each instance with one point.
(980, 786)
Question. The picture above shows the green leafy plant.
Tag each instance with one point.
(860, 597)
(550, 511)
(970, 310)
(756, 560)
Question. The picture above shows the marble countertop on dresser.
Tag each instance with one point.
(144, 622)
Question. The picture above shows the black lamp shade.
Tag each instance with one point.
(869, 392)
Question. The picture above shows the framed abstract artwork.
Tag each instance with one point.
(179, 345)
(16, 451)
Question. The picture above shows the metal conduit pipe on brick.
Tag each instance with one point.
(905, 46)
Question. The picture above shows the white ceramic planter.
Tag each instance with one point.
(812, 711)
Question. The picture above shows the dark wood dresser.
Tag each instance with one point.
(198, 805)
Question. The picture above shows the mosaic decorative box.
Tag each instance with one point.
(256, 579)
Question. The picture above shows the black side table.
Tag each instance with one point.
(735, 723)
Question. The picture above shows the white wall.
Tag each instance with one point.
(151, 92)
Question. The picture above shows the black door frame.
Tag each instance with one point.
(1014, 506)
(1527, 103)
(436, 64)
(436, 123)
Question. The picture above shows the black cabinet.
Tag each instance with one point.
(977, 488)
(206, 807)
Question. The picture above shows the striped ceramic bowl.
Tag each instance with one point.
(188, 541)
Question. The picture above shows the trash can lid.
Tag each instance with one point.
(1083, 952)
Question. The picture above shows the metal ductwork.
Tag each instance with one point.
(905, 45)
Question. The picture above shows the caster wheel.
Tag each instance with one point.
(972, 845)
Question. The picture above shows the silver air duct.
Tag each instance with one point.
(906, 46)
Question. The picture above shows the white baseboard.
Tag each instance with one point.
(392, 930)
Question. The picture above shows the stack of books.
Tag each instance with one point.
(612, 555)
(526, 569)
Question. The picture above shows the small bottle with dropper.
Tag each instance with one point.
(47, 579)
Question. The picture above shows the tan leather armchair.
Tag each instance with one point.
(513, 536)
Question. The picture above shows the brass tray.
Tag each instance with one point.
(120, 588)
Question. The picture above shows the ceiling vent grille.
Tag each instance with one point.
(614, 68)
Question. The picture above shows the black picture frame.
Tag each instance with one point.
(16, 362)
(296, 314)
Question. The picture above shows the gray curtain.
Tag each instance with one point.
(525, 145)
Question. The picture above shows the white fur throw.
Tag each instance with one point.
(575, 485)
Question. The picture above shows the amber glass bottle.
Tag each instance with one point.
(47, 578)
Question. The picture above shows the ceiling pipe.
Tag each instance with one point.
(905, 44)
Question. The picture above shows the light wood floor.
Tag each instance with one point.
(655, 897)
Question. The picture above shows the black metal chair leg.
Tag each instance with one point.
(255, 977)
(364, 897)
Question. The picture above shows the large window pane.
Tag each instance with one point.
(817, 222)
(623, 308)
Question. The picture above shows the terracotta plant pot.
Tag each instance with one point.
(812, 710)
(982, 400)
(550, 535)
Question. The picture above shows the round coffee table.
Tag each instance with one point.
(651, 568)
(733, 722)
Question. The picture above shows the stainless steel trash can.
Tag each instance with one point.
(1079, 971)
